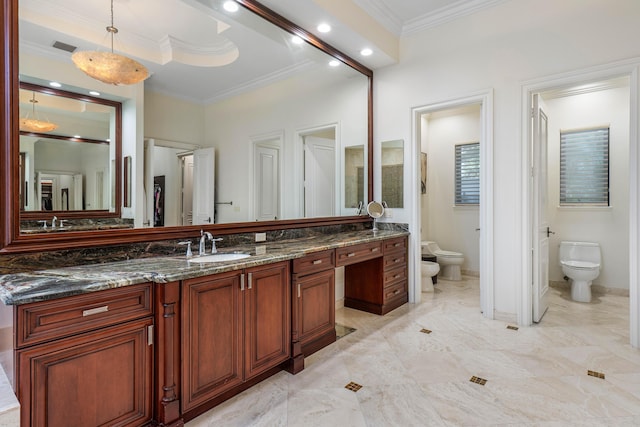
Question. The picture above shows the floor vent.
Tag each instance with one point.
(596, 374)
(478, 380)
(513, 328)
(425, 331)
(353, 386)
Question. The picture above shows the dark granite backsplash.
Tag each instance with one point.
(76, 224)
(19, 263)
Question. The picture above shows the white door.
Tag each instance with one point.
(149, 146)
(540, 204)
(319, 177)
(187, 190)
(203, 186)
(266, 183)
(77, 193)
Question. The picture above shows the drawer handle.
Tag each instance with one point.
(397, 260)
(318, 261)
(397, 291)
(350, 254)
(96, 310)
(249, 280)
(375, 249)
(299, 290)
(242, 282)
(396, 276)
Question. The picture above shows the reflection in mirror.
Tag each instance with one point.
(354, 176)
(71, 167)
(393, 173)
(126, 197)
(222, 99)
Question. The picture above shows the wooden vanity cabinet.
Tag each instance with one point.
(87, 367)
(235, 326)
(313, 308)
(375, 275)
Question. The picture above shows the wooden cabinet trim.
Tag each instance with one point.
(48, 320)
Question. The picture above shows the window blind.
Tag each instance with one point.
(584, 167)
(468, 174)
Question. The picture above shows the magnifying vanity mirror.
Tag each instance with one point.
(375, 211)
(236, 110)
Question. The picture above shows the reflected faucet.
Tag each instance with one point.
(202, 250)
(53, 221)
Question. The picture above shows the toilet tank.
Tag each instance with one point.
(580, 251)
(429, 247)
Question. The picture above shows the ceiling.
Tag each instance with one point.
(197, 51)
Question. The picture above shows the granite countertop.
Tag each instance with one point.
(22, 288)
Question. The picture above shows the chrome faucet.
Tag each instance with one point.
(202, 250)
(53, 221)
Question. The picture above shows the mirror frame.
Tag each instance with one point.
(12, 241)
(102, 213)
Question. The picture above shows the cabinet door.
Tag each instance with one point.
(211, 337)
(95, 379)
(314, 303)
(267, 317)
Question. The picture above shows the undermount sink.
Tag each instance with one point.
(218, 258)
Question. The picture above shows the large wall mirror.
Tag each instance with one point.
(246, 121)
(69, 155)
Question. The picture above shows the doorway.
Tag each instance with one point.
(266, 177)
(484, 103)
(592, 224)
(319, 179)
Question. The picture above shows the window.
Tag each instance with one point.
(468, 174)
(584, 167)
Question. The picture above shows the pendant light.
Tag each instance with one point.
(109, 67)
(33, 124)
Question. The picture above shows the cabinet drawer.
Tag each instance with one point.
(394, 291)
(395, 275)
(357, 253)
(397, 244)
(395, 260)
(47, 320)
(317, 261)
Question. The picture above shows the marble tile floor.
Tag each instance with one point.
(536, 376)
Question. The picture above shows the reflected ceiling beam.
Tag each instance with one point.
(358, 20)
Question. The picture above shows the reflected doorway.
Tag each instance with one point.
(319, 173)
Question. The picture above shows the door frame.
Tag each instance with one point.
(485, 99)
(299, 164)
(628, 68)
(274, 140)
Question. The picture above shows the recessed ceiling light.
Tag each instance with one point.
(230, 6)
(297, 40)
(108, 139)
(334, 63)
(94, 93)
(77, 136)
(366, 51)
(55, 84)
(324, 28)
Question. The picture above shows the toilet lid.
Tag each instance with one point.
(584, 265)
(445, 254)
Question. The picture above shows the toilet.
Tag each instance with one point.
(449, 261)
(428, 270)
(580, 262)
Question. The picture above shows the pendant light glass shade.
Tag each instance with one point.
(110, 67)
(33, 124)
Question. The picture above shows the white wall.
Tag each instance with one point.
(453, 227)
(500, 48)
(607, 226)
(303, 102)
